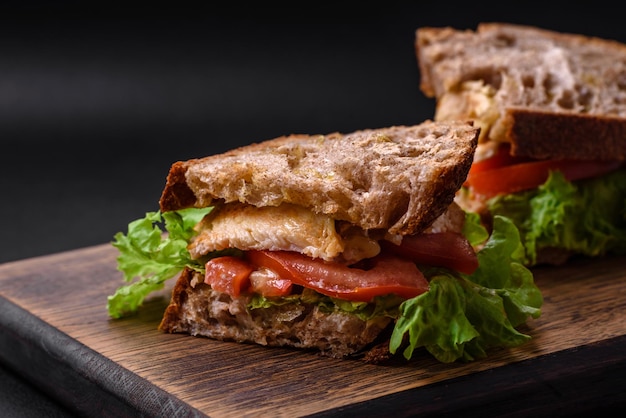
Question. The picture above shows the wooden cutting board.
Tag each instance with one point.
(54, 329)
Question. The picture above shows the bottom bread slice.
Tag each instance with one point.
(195, 308)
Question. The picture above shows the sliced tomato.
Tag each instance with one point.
(228, 275)
(501, 158)
(388, 274)
(443, 249)
(529, 175)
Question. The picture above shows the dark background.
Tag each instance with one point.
(96, 103)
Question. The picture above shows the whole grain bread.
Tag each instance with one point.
(398, 179)
(196, 309)
(549, 94)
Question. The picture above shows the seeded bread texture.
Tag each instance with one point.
(549, 94)
(398, 179)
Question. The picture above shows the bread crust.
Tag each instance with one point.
(398, 179)
(558, 95)
(565, 135)
(201, 311)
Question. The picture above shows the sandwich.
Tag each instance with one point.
(552, 112)
(347, 245)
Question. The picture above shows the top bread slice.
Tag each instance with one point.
(399, 179)
(549, 94)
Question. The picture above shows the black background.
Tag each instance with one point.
(96, 103)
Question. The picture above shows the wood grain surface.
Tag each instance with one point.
(584, 305)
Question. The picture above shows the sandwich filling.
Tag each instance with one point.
(432, 288)
(280, 248)
(561, 206)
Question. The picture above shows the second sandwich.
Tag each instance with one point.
(552, 150)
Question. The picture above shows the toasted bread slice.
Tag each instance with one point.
(399, 179)
(549, 94)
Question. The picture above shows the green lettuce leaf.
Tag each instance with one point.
(151, 257)
(461, 317)
(474, 230)
(585, 217)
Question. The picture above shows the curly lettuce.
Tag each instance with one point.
(460, 317)
(586, 217)
(151, 257)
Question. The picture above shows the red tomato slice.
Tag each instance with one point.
(529, 175)
(443, 249)
(500, 159)
(228, 275)
(389, 274)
